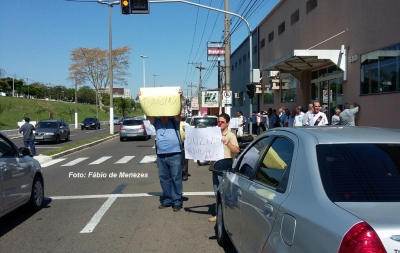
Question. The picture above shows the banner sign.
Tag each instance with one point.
(215, 51)
(194, 104)
(210, 99)
(160, 101)
(203, 144)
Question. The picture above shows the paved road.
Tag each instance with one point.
(76, 136)
(107, 214)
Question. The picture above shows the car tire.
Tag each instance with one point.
(57, 139)
(37, 195)
(121, 139)
(68, 137)
(98, 127)
(222, 236)
(82, 128)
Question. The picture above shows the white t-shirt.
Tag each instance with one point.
(313, 118)
(298, 119)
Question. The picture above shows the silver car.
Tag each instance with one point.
(21, 179)
(313, 189)
(133, 128)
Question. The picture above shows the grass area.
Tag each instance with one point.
(74, 145)
(16, 108)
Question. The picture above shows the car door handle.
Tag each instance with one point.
(268, 210)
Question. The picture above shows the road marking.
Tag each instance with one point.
(125, 159)
(52, 162)
(98, 161)
(149, 159)
(131, 195)
(76, 161)
(97, 216)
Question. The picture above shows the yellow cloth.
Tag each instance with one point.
(273, 161)
(182, 132)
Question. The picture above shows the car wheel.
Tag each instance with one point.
(82, 128)
(37, 195)
(57, 139)
(99, 127)
(68, 137)
(121, 139)
(222, 236)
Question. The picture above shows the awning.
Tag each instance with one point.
(300, 60)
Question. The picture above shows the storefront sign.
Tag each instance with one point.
(210, 99)
(353, 58)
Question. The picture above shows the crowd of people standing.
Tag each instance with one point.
(314, 116)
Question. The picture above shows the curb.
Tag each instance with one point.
(43, 158)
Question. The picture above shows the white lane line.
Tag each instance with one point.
(131, 195)
(52, 162)
(149, 159)
(125, 159)
(97, 216)
(73, 162)
(98, 161)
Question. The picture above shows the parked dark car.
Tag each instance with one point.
(90, 123)
(52, 131)
(313, 189)
(21, 178)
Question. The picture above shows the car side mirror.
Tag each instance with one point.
(24, 151)
(222, 165)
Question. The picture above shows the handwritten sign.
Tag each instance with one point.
(149, 127)
(160, 101)
(273, 161)
(234, 123)
(203, 144)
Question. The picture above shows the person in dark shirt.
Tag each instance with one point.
(27, 131)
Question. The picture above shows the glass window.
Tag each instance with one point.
(132, 122)
(249, 159)
(289, 89)
(294, 17)
(360, 172)
(6, 149)
(269, 96)
(274, 168)
(380, 71)
(262, 43)
(281, 28)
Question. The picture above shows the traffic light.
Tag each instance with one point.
(125, 7)
(135, 7)
(251, 90)
(140, 7)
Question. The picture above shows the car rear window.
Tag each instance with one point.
(360, 172)
(207, 122)
(132, 122)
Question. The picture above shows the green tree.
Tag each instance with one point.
(86, 95)
(90, 65)
(124, 106)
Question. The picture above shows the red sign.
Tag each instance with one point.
(216, 51)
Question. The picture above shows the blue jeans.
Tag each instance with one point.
(170, 175)
(30, 144)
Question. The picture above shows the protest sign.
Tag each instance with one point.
(203, 144)
(234, 123)
(160, 101)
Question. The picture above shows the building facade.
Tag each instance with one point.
(334, 52)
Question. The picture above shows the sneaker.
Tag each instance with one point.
(162, 206)
(213, 219)
(177, 208)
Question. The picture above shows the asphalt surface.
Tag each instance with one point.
(113, 213)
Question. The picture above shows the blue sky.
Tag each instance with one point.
(37, 37)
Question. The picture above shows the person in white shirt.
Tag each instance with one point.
(298, 119)
(317, 118)
(336, 118)
(241, 122)
(347, 116)
(305, 117)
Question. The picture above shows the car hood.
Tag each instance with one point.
(46, 130)
(383, 217)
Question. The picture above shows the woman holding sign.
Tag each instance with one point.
(231, 148)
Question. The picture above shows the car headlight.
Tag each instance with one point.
(93, 123)
(48, 133)
(82, 124)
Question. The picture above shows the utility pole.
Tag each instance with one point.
(154, 79)
(198, 66)
(227, 41)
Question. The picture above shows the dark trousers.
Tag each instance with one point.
(185, 166)
(254, 128)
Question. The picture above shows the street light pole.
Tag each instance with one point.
(28, 85)
(110, 66)
(144, 71)
(154, 79)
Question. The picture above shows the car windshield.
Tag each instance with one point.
(205, 122)
(47, 125)
(89, 120)
(360, 172)
(116, 117)
(132, 122)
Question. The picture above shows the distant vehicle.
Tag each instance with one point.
(117, 120)
(203, 121)
(52, 131)
(21, 178)
(314, 189)
(133, 128)
(90, 123)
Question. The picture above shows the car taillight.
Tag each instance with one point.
(142, 127)
(121, 127)
(361, 238)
